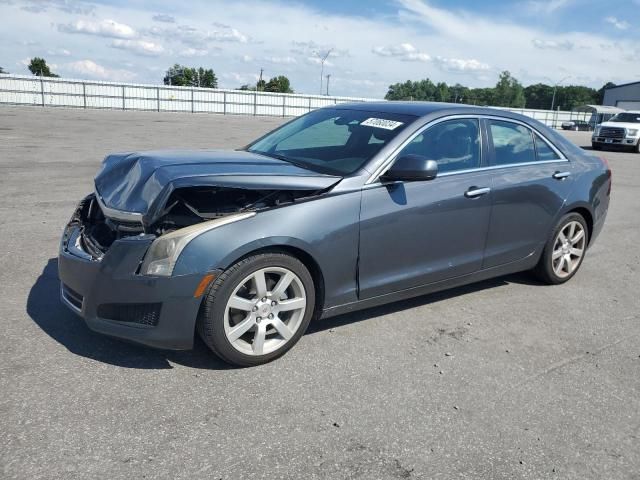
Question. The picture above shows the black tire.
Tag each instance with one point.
(544, 270)
(595, 146)
(210, 323)
(636, 149)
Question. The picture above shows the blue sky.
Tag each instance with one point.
(373, 43)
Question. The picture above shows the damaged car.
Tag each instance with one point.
(344, 208)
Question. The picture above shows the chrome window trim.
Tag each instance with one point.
(120, 215)
(378, 172)
(475, 170)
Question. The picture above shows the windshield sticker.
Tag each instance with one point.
(381, 123)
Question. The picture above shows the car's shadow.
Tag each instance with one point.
(48, 312)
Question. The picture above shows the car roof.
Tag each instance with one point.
(421, 109)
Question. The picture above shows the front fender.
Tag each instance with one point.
(325, 228)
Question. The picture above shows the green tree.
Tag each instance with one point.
(2, 70)
(538, 96)
(424, 90)
(508, 92)
(38, 66)
(279, 84)
(182, 76)
(572, 96)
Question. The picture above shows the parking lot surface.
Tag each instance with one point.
(499, 380)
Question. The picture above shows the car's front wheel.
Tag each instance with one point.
(564, 251)
(257, 309)
(595, 146)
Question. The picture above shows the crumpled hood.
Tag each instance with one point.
(141, 182)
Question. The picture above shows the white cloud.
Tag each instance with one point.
(59, 52)
(103, 28)
(139, 47)
(619, 24)
(90, 69)
(461, 65)
(68, 6)
(246, 58)
(404, 51)
(240, 77)
(548, 6)
(163, 18)
(194, 52)
(197, 37)
(311, 48)
(552, 44)
(281, 60)
(318, 61)
(229, 35)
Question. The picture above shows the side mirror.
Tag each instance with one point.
(411, 168)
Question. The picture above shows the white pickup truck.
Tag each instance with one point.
(622, 130)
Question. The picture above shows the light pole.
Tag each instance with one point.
(328, 78)
(322, 60)
(555, 86)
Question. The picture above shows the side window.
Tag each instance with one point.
(545, 152)
(454, 144)
(512, 143)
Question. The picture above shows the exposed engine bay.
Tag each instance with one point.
(185, 206)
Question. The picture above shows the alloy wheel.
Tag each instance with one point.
(264, 311)
(568, 249)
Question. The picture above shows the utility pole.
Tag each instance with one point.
(555, 86)
(328, 78)
(323, 58)
(260, 81)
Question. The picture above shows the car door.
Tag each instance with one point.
(532, 180)
(416, 233)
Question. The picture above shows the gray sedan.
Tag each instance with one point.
(341, 209)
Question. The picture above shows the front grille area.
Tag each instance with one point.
(96, 232)
(611, 132)
(140, 313)
(73, 297)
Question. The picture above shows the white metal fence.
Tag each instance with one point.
(58, 92)
(62, 92)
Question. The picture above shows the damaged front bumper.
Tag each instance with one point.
(115, 300)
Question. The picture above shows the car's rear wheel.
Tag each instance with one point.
(257, 309)
(564, 252)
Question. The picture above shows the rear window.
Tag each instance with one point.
(512, 143)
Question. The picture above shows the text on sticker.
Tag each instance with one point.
(381, 123)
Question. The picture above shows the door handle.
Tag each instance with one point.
(474, 192)
(561, 175)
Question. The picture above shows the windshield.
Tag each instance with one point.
(626, 118)
(333, 141)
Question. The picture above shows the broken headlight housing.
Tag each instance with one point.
(163, 253)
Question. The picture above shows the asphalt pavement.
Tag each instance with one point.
(504, 379)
